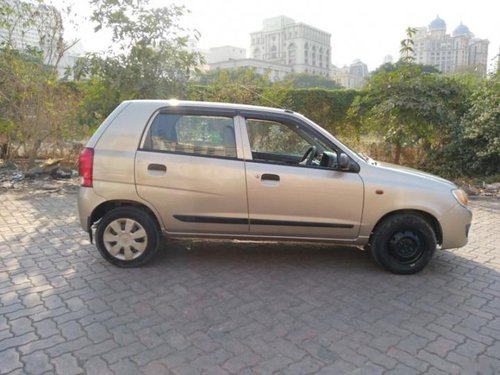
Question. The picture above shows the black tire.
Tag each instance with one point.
(137, 237)
(403, 244)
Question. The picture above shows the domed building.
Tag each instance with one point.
(457, 52)
(462, 30)
(437, 24)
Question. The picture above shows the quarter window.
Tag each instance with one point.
(192, 134)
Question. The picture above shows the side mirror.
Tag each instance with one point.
(343, 161)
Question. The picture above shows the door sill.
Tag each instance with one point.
(362, 240)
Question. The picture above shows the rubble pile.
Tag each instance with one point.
(48, 176)
(481, 189)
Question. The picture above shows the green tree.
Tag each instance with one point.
(35, 108)
(238, 85)
(328, 108)
(407, 106)
(244, 85)
(482, 121)
(148, 58)
(473, 145)
(406, 49)
(23, 20)
(304, 80)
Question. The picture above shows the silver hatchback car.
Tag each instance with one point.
(226, 171)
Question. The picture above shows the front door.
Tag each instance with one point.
(292, 193)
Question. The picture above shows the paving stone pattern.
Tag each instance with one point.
(232, 308)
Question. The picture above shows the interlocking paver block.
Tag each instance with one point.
(37, 363)
(9, 361)
(238, 308)
(21, 326)
(125, 367)
(97, 365)
(67, 364)
(16, 341)
(305, 366)
(441, 347)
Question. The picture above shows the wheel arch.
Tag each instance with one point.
(101, 210)
(429, 218)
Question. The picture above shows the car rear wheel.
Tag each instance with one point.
(403, 244)
(127, 237)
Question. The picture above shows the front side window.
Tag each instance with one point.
(285, 143)
(192, 134)
(275, 137)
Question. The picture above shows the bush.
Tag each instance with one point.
(473, 147)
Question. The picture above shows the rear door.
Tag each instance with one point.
(188, 167)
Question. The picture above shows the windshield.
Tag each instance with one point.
(360, 156)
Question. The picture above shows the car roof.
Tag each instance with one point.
(198, 104)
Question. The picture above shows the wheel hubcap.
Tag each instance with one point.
(406, 246)
(125, 239)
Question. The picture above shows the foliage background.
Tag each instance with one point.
(406, 113)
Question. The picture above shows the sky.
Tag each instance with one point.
(362, 29)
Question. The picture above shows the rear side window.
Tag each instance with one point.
(192, 134)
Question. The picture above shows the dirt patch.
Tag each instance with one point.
(49, 176)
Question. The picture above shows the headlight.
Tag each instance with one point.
(461, 197)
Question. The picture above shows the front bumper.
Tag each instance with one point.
(456, 224)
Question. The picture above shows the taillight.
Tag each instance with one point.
(85, 163)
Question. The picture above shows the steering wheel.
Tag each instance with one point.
(309, 155)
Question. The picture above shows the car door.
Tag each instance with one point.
(188, 167)
(289, 199)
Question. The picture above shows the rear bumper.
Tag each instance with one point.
(456, 225)
(87, 202)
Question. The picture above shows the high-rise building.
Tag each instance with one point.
(43, 37)
(14, 32)
(388, 59)
(458, 52)
(305, 49)
(353, 76)
(225, 53)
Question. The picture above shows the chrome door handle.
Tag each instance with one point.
(270, 177)
(157, 167)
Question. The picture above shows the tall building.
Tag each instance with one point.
(225, 53)
(460, 51)
(13, 32)
(353, 76)
(305, 49)
(40, 37)
(388, 59)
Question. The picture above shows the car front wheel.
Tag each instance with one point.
(403, 243)
(127, 237)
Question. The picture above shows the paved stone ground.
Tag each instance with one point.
(239, 308)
